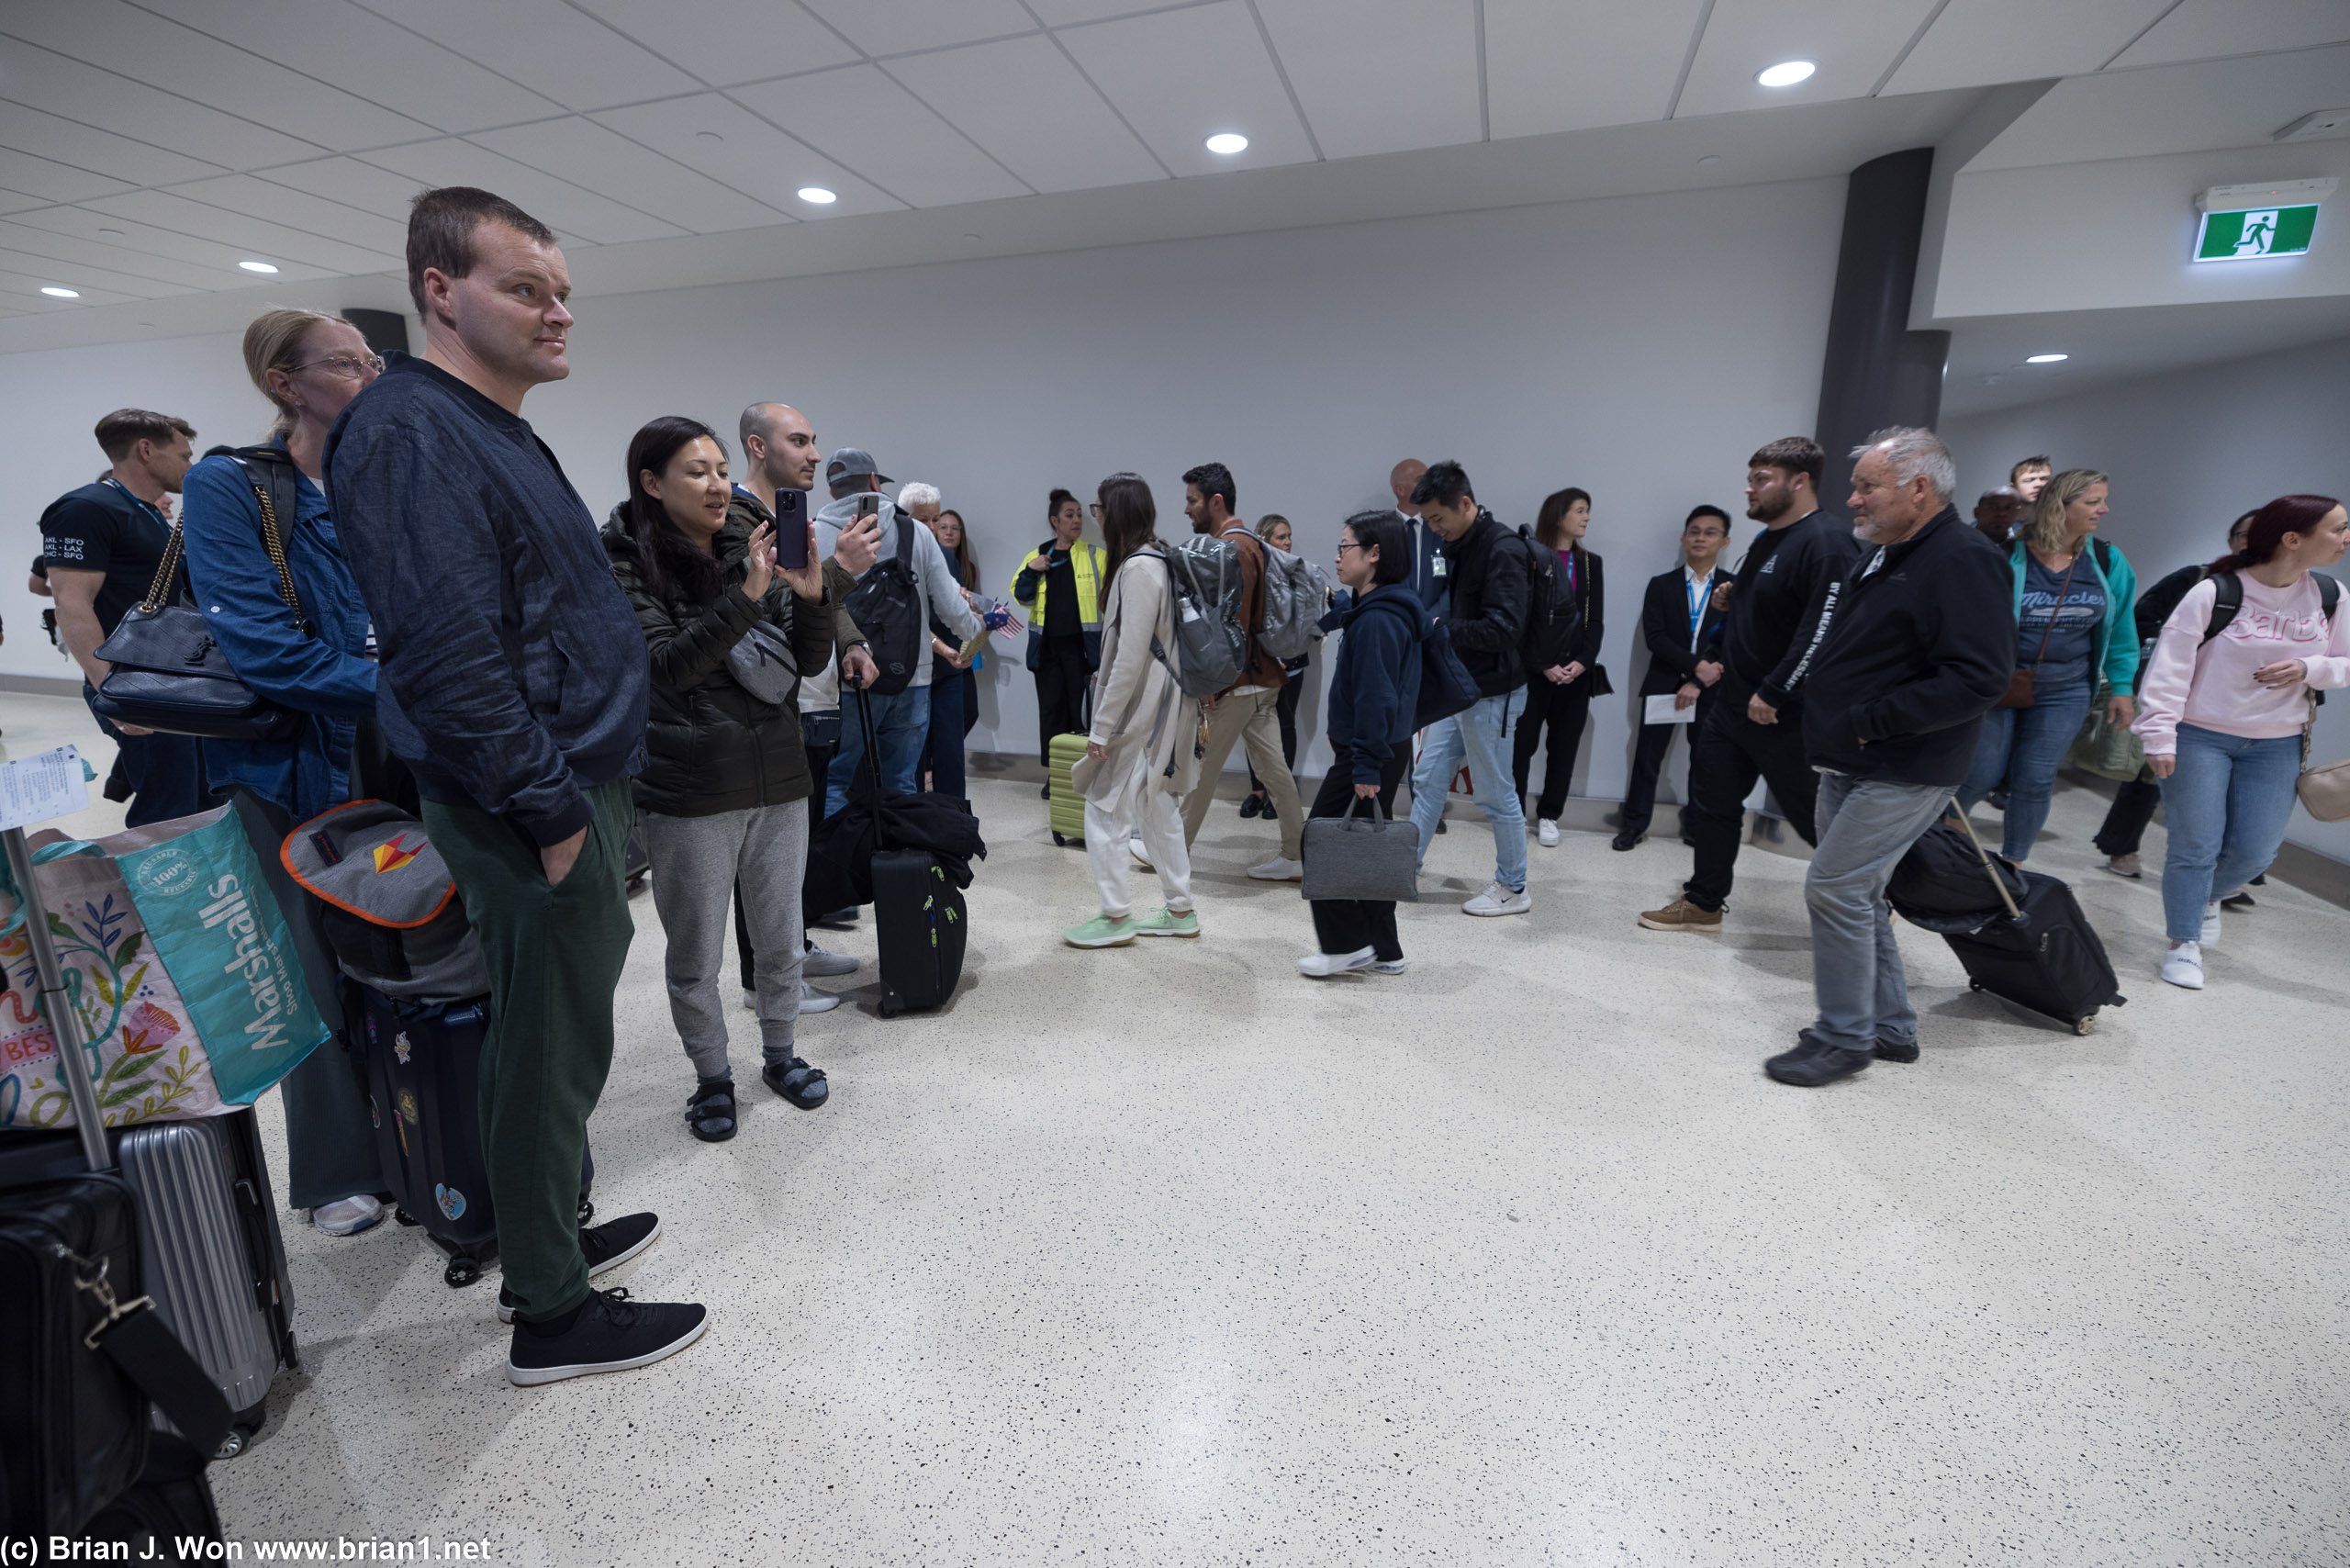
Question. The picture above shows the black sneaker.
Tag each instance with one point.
(612, 1333)
(607, 1245)
(2237, 899)
(1814, 1062)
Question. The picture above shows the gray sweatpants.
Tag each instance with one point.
(697, 862)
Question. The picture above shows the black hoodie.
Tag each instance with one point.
(1774, 617)
(1912, 649)
(1486, 615)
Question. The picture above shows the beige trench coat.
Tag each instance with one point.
(1141, 717)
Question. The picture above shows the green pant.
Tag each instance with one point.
(555, 957)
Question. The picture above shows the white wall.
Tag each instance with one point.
(1639, 347)
(2190, 452)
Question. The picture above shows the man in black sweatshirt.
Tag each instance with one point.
(1911, 653)
(1756, 728)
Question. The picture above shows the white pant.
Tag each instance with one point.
(1161, 832)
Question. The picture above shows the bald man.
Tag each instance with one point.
(1427, 579)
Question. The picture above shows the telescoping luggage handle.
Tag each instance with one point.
(133, 1334)
(871, 763)
(1997, 881)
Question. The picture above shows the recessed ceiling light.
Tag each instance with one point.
(258, 266)
(1709, 160)
(711, 135)
(1786, 74)
(2046, 358)
(818, 195)
(116, 233)
(1224, 143)
(56, 293)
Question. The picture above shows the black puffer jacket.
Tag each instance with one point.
(711, 746)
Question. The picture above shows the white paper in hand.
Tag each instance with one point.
(1660, 710)
(35, 789)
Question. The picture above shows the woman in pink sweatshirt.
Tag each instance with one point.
(2221, 711)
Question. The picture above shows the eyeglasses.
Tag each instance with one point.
(1346, 544)
(349, 368)
(1096, 510)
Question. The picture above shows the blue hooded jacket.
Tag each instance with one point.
(1375, 685)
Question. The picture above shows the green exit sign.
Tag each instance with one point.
(2246, 223)
(2248, 236)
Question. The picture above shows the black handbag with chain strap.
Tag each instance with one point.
(168, 674)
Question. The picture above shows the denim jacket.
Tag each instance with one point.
(325, 675)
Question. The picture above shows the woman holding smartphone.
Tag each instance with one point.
(723, 796)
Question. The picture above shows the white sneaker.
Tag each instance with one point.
(1498, 900)
(814, 1001)
(1134, 847)
(1322, 965)
(1391, 966)
(1546, 833)
(820, 960)
(1277, 870)
(2210, 938)
(348, 1216)
(2182, 966)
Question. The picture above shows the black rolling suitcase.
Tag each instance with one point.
(423, 1066)
(2038, 951)
(920, 926)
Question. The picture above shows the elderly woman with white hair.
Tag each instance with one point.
(942, 752)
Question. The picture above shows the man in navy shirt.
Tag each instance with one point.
(102, 544)
(514, 682)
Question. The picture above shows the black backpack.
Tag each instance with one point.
(2227, 598)
(886, 604)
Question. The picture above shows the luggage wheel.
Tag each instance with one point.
(2084, 1026)
(402, 1216)
(1058, 841)
(461, 1272)
(1971, 985)
(233, 1444)
(586, 1212)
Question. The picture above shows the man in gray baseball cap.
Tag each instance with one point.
(900, 709)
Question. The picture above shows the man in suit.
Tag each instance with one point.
(1431, 572)
(1678, 620)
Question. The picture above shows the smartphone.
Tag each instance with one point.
(791, 528)
(868, 504)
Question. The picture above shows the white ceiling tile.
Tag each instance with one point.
(23, 290)
(727, 41)
(2206, 30)
(361, 53)
(1379, 75)
(736, 148)
(1023, 101)
(79, 275)
(114, 253)
(18, 201)
(585, 153)
(1553, 65)
(98, 151)
(545, 45)
(383, 192)
(891, 26)
(254, 238)
(146, 47)
(255, 197)
(869, 123)
(47, 180)
(1974, 43)
(144, 112)
(2171, 108)
(1853, 43)
(1182, 76)
(220, 260)
(560, 205)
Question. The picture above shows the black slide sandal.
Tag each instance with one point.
(803, 1085)
(710, 1113)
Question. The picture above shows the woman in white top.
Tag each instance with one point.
(1142, 756)
(2223, 708)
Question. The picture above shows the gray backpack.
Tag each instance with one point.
(1210, 638)
(1294, 599)
(392, 915)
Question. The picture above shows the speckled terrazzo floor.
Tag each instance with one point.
(1165, 1255)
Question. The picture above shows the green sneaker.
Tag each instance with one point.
(1167, 923)
(1100, 932)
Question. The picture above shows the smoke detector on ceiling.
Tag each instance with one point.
(2311, 126)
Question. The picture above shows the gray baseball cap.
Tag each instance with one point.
(852, 460)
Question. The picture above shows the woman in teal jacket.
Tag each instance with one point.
(2074, 633)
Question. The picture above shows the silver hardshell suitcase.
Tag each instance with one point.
(212, 1256)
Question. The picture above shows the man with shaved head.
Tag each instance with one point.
(1429, 578)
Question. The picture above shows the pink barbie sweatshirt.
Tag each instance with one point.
(2209, 684)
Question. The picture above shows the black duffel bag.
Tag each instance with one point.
(1947, 883)
(168, 673)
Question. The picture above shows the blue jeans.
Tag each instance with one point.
(900, 723)
(2226, 805)
(2025, 746)
(1482, 737)
(165, 772)
(1866, 827)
